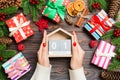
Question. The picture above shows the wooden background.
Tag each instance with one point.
(60, 66)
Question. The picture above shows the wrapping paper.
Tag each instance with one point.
(55, 9)
(99, 24)
(19, 27)
(103, 54)
(16, 67)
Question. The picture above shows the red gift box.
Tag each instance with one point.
(19, 27)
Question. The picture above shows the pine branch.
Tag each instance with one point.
(1, 33)
(28, 8)
(116, 41)
(2, 48)
(103, 4)
(9, 10)
(8, 53)
(108, 35)
(90, 5)
(117, 24)
(115, 64)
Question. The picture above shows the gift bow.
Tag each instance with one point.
(99, 53)
(19, 27)
(59, 9)
(96, 21)
(16, 67)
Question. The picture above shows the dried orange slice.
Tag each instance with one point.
(79, 5)
(70, 9)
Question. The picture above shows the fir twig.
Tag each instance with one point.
(9, 10)
(117, 24)
(34, 10)
(108, 35)
(116, 41)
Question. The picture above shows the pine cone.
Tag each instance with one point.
(114, 7)
(5, 40)
(110, 75)
(9, 3)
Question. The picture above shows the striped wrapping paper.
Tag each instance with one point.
(8, 66)
(102, 15)
(104, 49)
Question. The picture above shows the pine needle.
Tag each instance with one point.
(108, 35)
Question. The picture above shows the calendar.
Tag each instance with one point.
(59, 47)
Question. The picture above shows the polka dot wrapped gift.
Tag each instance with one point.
(55, 9)
(19, 28)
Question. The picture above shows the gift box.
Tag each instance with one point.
(99, 24)
(19, 28)
(16, 67)
(55, 9)
(103, 54)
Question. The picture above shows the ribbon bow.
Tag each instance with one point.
(99, 53)
(16, 67)
(59, 9)
(97, 22)
(19, 26)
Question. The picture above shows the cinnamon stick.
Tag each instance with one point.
(81, 19)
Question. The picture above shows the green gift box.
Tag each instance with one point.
(55, 9)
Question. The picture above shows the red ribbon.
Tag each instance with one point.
(97, 23)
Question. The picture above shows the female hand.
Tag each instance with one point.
(43, 58)
(77, 53)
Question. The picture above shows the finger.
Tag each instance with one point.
(45, 44)
(74, 48)
(75, 36)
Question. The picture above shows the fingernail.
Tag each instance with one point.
(74, 33)
(74, 44)
(44, 44)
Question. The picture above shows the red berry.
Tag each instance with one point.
(93, 43)
(1, 58)
(21, 47)
(118, 57)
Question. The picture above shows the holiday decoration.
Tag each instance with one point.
(82, 17)
(118, 16)
(32, 7)
(97, 5)
(21, 47)
(69, 20)
(99, 24)
(55, 9)
(2, 16)
(116, 32)
(42, 23)
(34, 2)
(16, 67)
(113, 8)
(75, 7)
(110, 75)
(6, 3)
(5, 40)
(4, 56)
(103, 55)
(93, 43)
(62, 40)
(19, 27)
